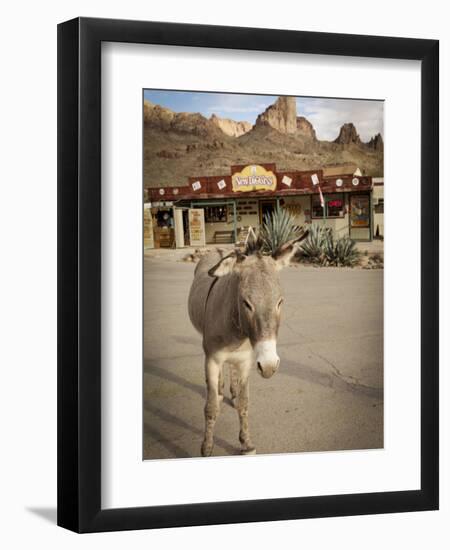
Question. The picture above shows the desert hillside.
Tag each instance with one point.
(178, 145)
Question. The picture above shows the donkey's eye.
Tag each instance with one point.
(248, 305)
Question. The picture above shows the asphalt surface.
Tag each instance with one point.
(327, 395)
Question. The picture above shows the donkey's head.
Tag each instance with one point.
(259, 299)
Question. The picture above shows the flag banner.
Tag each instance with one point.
(322, 202)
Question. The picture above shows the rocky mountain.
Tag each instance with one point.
(178, 145)
(282, 115)
(167, 120)
(376, 143)
(231, 127)
(348, 135)
(305, 128)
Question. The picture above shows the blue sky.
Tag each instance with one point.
(326, 115)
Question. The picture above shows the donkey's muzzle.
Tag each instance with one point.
(267, 360)
(267, 370)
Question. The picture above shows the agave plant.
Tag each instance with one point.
(312, 248)
(278, 228)
(341, 251)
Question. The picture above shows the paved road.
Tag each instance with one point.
(327, 395)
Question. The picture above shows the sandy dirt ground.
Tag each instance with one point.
(327, 395)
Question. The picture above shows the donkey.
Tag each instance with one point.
(235, 303)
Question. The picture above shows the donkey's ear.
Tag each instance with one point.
(226, 264)
(251, 242)
(286, 252)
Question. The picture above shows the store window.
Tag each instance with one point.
(164, 218)
(334, 206)
(216, 214)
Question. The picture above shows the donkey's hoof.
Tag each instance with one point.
(207, 448)
(234, 401)
(248, 451)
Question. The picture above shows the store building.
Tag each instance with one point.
(220, 209)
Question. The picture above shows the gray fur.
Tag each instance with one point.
(235, 303)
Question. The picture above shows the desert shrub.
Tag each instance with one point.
(320, 247)
(376, 258)
(341, 251)
(311, 250)
(278, 228)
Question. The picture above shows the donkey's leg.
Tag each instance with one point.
(221, 383)
(242, 407)
(234, 385)
(212, 373)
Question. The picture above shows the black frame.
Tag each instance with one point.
(79, 268)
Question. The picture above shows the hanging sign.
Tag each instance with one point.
(254, 178)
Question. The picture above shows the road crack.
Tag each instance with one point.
(351, 382)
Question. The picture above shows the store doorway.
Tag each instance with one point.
(187, 241)
(181, 219)
(360, 217)
(266, 208)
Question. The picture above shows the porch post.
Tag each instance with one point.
(234, 221)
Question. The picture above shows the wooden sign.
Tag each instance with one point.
(148, 227)
(197, 227)
(254, 178)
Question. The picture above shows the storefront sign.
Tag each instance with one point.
(360, 211)
(197, 227)
(254, 178)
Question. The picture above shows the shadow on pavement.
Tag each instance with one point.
(175, 420)
(170, 376)
(172, 447)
